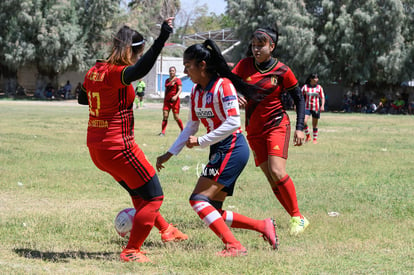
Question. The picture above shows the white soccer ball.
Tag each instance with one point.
(124, 221)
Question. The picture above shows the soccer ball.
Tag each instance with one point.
(124, 221)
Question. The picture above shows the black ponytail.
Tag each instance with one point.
(217, 65)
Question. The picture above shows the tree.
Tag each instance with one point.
(53, 35)
(348, 41)
(296, 37)
(16, 48)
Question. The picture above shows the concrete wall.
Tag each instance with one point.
(155, 80)
(27, 77)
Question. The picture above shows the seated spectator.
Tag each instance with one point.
(49, 91)
(398, 105)
(411, 108)
(383, 105)
(346, 104)
(67, 90)
(371, 107)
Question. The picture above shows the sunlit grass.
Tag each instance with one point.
(57, 209)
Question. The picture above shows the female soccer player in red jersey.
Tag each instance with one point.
(214, 104)
(173, 86)
(267, 123)
(108, 91)
(315, 102)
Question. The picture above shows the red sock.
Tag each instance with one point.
(180, 124)
(164, 126)
(236, 220)
(288, 194)
(276, 191)
(143, 221)
(160, 223)
(306, 130)
(213, 219)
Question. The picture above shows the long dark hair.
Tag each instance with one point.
(209, 52)
(126, 44)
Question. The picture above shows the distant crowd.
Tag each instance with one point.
(400, 104)
(354, 103)
(63, 92)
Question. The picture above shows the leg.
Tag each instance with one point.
(315, 129)
(141, 101)
(165, 114)
(178, 120)
(201, 203)
(283, 186)
(306, 129)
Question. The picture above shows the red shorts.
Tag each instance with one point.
(174, 106)
(130, 166)
(271, 143)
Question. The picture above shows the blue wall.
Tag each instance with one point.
(187, 84)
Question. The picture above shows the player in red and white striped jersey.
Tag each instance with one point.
(314, 105)
(214, 103)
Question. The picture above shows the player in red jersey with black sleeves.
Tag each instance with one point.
(315, 102)
(214, 104)
(267, 123)
(173, 87)
(108, 91)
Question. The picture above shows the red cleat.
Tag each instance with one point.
(270, 234)
(172, 234)
(233, 251)
(134, 255)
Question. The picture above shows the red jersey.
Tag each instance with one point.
(111, 118)
(171, 88)
(260, 115)
(214, 104)
(312, 96)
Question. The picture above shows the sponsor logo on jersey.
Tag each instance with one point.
(96, 76)
(229, 98)
(204, 112)
(210, 172)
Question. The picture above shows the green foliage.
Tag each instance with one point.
(57, 209)
(345, 41)
(55, 36)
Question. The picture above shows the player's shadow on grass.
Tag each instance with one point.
(64, 256)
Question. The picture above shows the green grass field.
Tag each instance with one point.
(57, 209)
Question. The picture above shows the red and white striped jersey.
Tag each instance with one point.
(214, 104)
(313, 95)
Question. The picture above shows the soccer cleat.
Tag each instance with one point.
(161, 134)
(315, 141)
(298, 225)
(233, 251)
(172, 234)
(134, 255)
(270, 234)
(308, 138)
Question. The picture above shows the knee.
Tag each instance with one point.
(198, 197)
(277, 173)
